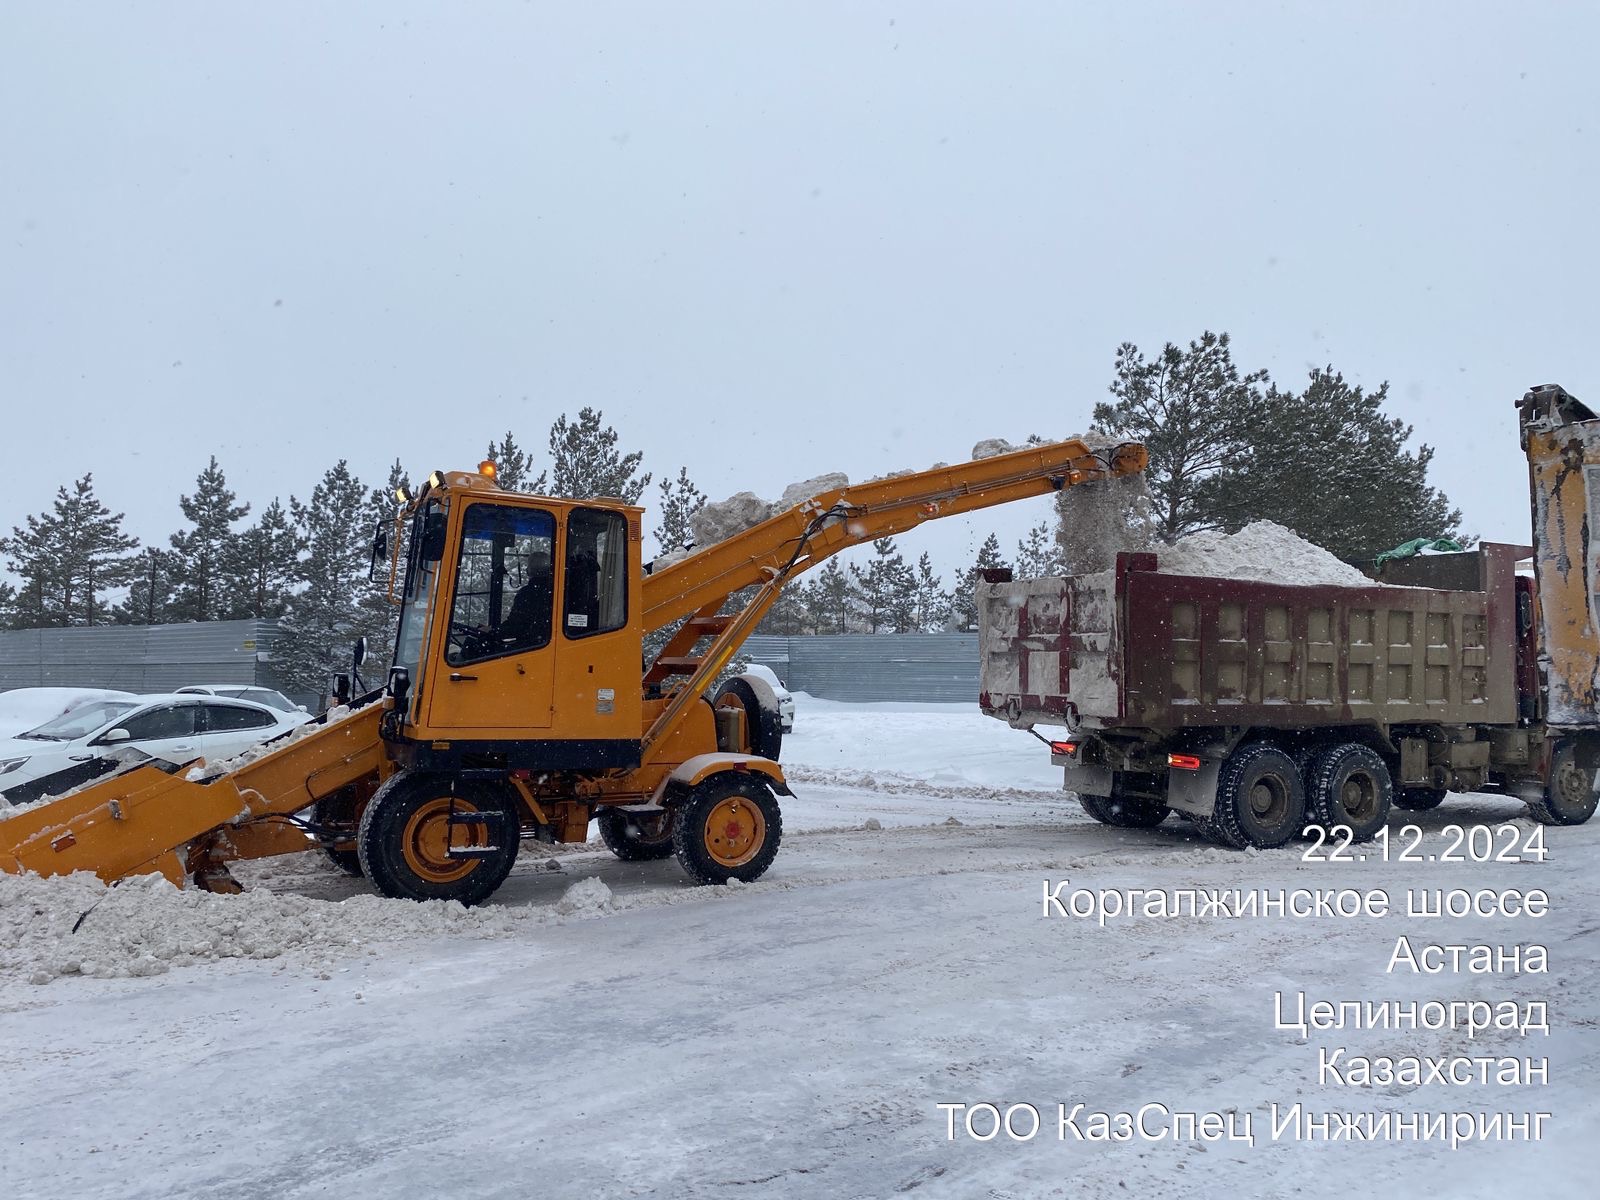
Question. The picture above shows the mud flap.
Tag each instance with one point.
(1086, 780)
(1194, 792)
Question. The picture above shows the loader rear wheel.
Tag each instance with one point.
(728, 828)
(1349, 785)
(1570, 795)
(635, 837)
(1261, 798)
(408, 835)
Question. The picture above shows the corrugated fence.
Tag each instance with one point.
(882, 666)
(157, 658)
(138, 658)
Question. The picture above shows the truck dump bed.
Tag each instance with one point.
(1131, 647)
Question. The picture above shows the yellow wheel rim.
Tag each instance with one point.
(426, 841)
(735, 831)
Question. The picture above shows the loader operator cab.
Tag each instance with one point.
(517, 627)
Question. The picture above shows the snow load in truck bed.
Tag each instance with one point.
(1047, 644)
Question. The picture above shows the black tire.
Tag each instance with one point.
(762, 721)
(339, 810)
(636, 838)
(1261, 799)
(1419, 799)
(708, 853)
(1349, 785)
(1132, 812)
(1095, 807)
(1569, 795)
(405, 827)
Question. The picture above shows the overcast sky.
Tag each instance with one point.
(768, 240)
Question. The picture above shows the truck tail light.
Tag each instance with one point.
(1184, 762)
(1063, 747)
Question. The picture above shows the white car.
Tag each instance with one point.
(24, 708)
(174, 727)
(249, 691)
(785, 699)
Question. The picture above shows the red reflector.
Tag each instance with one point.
(1184, 762)
(1063, 747)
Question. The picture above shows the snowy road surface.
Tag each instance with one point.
(793, 1037)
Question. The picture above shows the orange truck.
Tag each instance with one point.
(1254, 709)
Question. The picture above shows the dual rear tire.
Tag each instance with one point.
(1265, 797)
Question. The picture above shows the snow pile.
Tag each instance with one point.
(1262, 551)
(799, 493)
(146, 926)
(588, 897)
(992, 447)
(724, 518)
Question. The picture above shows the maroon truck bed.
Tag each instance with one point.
(1135, 648)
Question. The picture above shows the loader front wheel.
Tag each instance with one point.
(431, 837)
(633, 837)
(728, 828)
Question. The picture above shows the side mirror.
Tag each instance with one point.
(115, 735)
(359, 653)
(302, 708)
(341, 689)
(433, 534)
(380, 548)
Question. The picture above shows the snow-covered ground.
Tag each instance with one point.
(789, 1038)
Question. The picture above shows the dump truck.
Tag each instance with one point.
(1255, 709)
(520, 703)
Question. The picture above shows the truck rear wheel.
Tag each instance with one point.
(1349, 785)
(636, 837)
(431, 837)
(1261, 799)
(1419, 799)
(728, 828)
(1569, 794)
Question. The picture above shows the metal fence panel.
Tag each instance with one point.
(938, 667)
(135, 658)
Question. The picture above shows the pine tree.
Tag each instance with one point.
(1038, 554)
(587, 463)
(1191, 409)
(8, 605)
(888, 589)
(1327, 463)
(263, 565)
(200, 553)
(788, 615)
(680, 500)
(964, 604)
(150, 590)
(68, 558)
(831, 598)
(327, 615)
(932, 611)
(514, 467)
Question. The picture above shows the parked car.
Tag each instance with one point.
(785, 699)
(247, 691)
(24, 708)
(174, 727)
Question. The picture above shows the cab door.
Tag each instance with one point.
(497, 675)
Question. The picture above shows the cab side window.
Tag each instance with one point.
(596, 599)
(505, 583)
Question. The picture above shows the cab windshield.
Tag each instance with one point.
(84, 719)
(424, 551)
